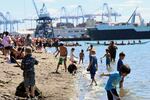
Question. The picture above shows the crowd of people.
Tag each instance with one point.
(19, 47)
(115, 78)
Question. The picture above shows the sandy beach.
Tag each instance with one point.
(53, 86)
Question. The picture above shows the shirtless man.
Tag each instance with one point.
(112, 50)
(63, 57)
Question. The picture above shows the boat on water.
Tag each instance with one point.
(121, 31)
(122, 43)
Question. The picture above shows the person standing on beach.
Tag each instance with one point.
(28, 41)
(119, 65)
(72, 56)
(93, 66)
(63, 57)
(81, 56)
(56, 45)
(7, 43)
(27, 65)
(112, 50)
(113, 81)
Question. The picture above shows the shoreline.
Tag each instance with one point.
(53, 86)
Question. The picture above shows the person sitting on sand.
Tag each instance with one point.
(113, 80)
(63, 57)
(81, 56)
(13, 55)
(20, 53)
(27, 65)
(16, 54)
(93, 66)
(39, 44)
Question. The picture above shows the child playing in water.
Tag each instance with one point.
(119, 64)
(113, 80)
(108, 58)
(93, 66)
(81, 56)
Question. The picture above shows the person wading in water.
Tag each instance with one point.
(112, 50)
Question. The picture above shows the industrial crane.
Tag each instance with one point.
(5, 21)
(43, 11)
(109, 13)
(133, 16)
(35, 8)
(44, 26)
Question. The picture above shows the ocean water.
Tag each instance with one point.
(136, 84)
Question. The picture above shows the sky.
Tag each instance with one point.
(20, 9)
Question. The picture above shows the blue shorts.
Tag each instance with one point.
(92, 73)
(107, 61)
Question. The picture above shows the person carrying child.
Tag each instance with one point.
(27, 65)
(81, 56)
(93, 66)
(114, 80)
(108, 58)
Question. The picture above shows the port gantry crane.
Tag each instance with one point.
(77, 16)
(107, 12)
(44, 26)
(7, 22)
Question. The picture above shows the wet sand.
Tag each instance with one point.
(53, 86)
